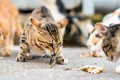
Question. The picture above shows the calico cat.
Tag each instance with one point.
(43, 35)
(95, 40)
(110, 41)
(9, 24)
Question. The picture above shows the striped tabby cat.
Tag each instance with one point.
(42, 35)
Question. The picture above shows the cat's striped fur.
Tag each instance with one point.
(42, 35)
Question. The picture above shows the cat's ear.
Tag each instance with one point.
(63, 22)
(89, 27)
(101, 28)
(34, 21)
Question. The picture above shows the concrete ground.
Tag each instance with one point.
(38, 69)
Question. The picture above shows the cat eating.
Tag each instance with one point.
(43, 35)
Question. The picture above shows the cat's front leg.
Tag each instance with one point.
(24, 52)
(60, 59)
(53, 60)
(57, 58)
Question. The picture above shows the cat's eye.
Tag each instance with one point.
(98, 36)
(51, 45)
(53, 31)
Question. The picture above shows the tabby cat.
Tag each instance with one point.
(9, 24)
(110, 41)
(42, 35)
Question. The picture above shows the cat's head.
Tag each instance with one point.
(49, 31)
(111, 40)
(94, 41)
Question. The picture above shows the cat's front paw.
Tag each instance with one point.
(21, 58)
(29, 56)
(117, 69)
(65, 61)
(62, 61)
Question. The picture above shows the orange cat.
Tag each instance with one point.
(9, 24)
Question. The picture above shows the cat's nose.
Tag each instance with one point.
(94, 54)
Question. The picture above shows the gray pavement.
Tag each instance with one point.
(39, 69)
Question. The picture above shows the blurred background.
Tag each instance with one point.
(78, 12)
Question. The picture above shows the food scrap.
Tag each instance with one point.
(88, 68)
(89, 55)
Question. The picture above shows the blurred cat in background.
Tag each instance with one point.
(95, 39)
(110, 41)
(9, 25)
